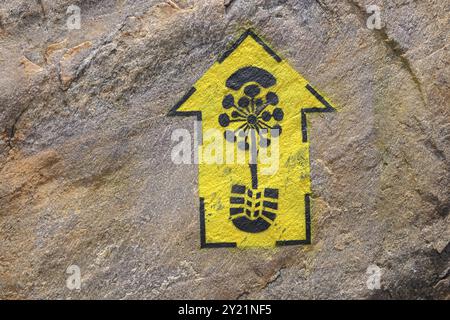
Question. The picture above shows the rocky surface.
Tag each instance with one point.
(86, 175)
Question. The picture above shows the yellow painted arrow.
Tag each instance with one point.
(255, 99)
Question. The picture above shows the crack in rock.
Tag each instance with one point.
(392, 45)
(228, 4)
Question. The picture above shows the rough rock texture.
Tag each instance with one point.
(86, 175)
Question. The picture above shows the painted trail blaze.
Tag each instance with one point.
(251, 89)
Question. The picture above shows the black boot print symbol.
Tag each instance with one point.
(254, 114)
(255, 210)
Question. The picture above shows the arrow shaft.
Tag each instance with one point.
(253, 159)
(254, 174)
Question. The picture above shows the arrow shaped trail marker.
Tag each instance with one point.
(249, 90)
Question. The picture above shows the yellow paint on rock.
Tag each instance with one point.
(293, 177)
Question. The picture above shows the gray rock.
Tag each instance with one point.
(86, 175)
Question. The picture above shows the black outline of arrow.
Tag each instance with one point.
(304, 129)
